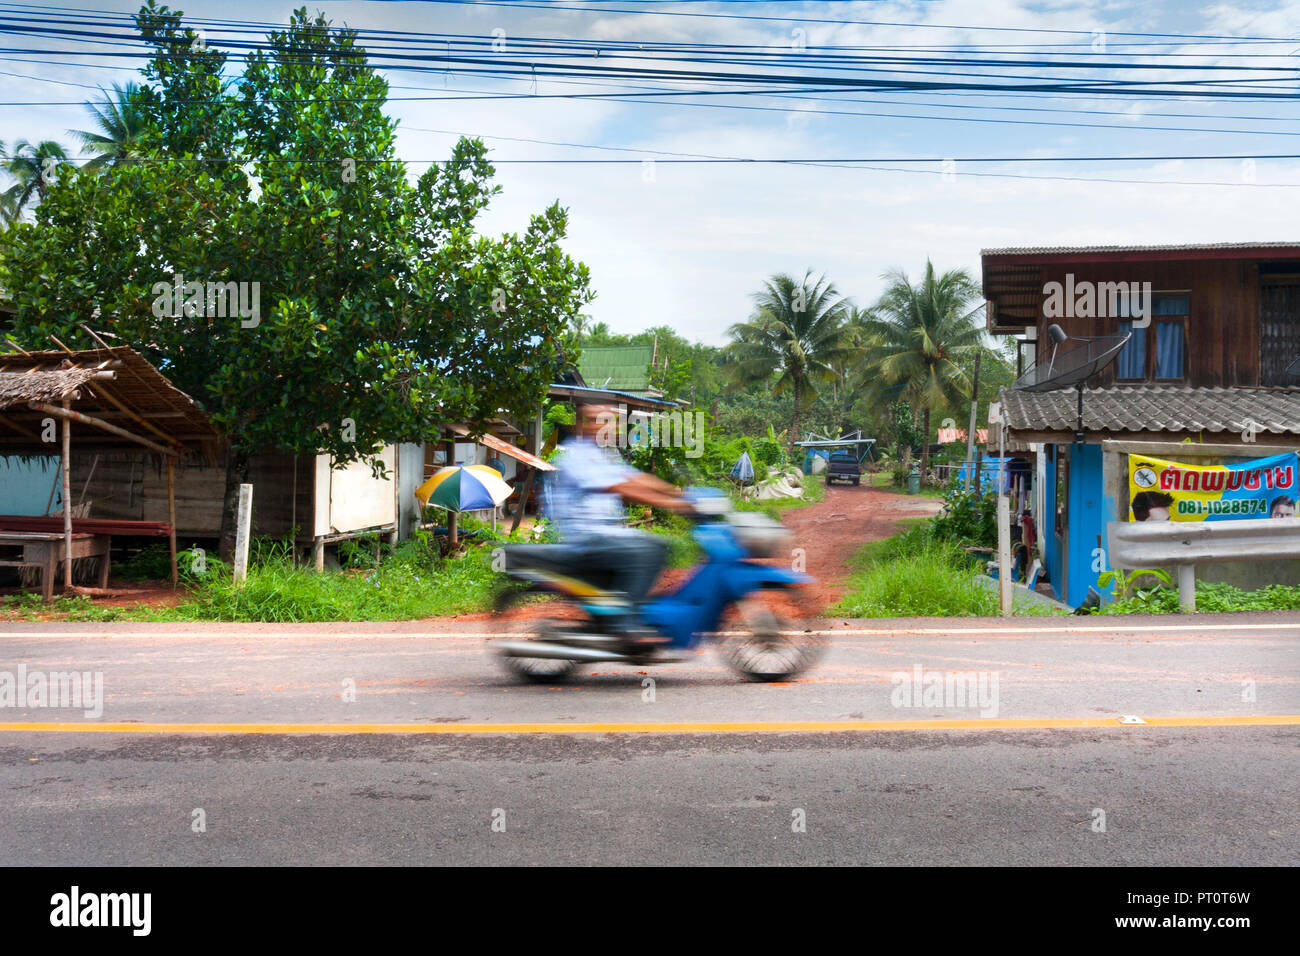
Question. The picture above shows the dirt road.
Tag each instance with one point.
(831, 531)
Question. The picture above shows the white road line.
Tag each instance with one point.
(289, 631)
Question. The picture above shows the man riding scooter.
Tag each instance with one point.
(605, 570)
(586, 504)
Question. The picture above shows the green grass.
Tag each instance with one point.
(1210, 598)
(935, 581)
(884, 481)
(30, 606)
(413, 582)
(914, 574)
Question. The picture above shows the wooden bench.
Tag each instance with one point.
(45, 550)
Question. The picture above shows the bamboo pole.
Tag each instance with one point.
(171, 517)
(19, 428)
(66, 464)
(69, 415)
(105, 393)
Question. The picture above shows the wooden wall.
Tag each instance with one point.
(132, 487)
(1222, 327)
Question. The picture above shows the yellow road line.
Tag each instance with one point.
(683, 727)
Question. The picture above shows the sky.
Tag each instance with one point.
(687, 245)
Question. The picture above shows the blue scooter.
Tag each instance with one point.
(759, 643)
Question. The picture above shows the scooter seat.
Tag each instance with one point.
(551, 557)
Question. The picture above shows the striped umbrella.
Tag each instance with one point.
(464, 488)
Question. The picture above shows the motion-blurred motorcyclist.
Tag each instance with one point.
(586, 503)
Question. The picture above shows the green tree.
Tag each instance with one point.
(924, 337)
(383, 314)
(794, 341)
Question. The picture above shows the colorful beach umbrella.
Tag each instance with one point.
(464, 488)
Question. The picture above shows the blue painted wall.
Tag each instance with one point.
(25, 485)
(1051, 543)
(1085, 519)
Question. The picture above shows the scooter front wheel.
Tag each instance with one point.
(761, 644)
(539, 670)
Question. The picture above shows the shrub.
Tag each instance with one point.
(969, 518)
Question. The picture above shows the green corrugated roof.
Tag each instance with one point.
(616, 366)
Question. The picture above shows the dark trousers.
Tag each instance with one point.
(633, 560)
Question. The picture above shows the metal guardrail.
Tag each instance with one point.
(1184, 544)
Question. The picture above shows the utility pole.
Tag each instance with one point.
(970, 432)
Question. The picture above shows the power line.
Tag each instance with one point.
(757, 160)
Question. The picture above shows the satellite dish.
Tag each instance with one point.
(1072, 364)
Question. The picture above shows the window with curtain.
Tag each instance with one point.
(1132, 361)
(1170, 315)
(1170, 341)
(1168, 360)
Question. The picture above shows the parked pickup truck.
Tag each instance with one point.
(843, 466)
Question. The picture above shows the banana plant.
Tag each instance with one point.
(1124, 584)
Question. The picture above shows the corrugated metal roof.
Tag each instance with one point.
(616, 367)
(1158, 408)
(1089, 250)
(589, 394)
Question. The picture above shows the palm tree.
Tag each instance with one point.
(120, 124)
(797, 335)
(924, 336)
(7, 212)
(27, 166)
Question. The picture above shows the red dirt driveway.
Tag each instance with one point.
(831, 531)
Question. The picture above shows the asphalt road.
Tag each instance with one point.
(441, 758)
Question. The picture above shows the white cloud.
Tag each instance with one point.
(690, 248)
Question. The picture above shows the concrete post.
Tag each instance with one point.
(1187, 587)
(1004, 554)
(243, 523)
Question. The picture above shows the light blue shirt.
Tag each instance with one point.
(579, 501)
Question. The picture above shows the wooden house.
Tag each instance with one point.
(1206, 375)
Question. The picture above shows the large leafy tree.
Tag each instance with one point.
(795, 341)
(382, 314)
(923, 339)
